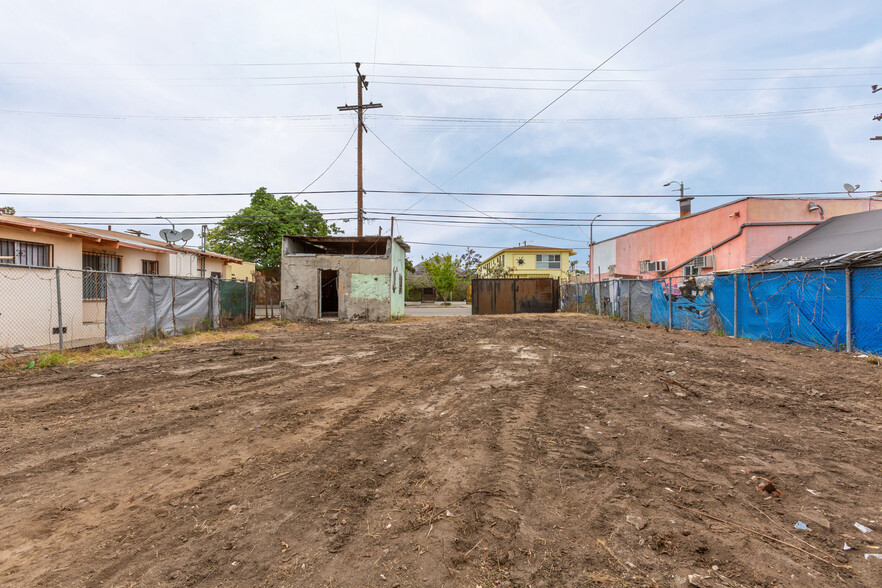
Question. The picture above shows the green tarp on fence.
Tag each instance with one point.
(234, 301)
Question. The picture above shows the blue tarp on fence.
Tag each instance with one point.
(806, 308)
(866, 308)
(692, 315)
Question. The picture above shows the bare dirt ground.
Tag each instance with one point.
(541, 450)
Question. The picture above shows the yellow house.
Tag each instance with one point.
(528, 261)
(240, 271)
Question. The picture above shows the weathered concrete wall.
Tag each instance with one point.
(397, 301)
(364, 286)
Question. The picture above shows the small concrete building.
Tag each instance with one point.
(351, 278)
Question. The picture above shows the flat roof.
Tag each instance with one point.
(335, 242)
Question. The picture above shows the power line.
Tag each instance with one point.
(430, 65)
(303, 191)
(439, 192)
(567, 91)
(169, 194)
(443, 119)
(561, 195)
(477, 246)
(414, 170)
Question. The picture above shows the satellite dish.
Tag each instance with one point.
(850, 189)
(172, 236)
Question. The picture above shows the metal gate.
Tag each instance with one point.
(515, 295)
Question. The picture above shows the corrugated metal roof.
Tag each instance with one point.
(837, 236)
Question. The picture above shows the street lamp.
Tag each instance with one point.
(591, 249)
(591, 228)
(685, 206)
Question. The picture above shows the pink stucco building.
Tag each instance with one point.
(721, 238)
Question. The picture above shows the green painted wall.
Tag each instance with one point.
(372, 286)
(397, 271)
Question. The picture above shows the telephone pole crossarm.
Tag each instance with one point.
(360, 108)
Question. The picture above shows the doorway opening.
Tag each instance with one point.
(328, 295)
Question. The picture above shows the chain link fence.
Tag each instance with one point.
(629, 300)
(43, 309)
(267, 297)
(838, 309)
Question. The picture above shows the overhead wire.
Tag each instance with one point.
(413, 169)
(559, 97)
(439, 192)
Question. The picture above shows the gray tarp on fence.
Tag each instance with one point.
(144, 306)
(628, 299)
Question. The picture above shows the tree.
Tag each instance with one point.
(442, 268)
(7, 210)
(255, 233)
(469, 262)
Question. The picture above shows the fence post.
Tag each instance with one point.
(211, 303)
(848, 345)
(630, 284)
(247, 302)
(619, 297)
(735, 309)
(670, 304)
(155, 318)
(58, 297)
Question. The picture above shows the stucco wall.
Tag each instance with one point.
(398, 287)
(239, 271)
(66, 251)
(682, 240)
(603, 256)
(364, 286)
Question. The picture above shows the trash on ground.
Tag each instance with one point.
(812, 492)
(801, 526)
(766, 485)
(97, 375)
(869, 556)
(847, 547)
(862, 528)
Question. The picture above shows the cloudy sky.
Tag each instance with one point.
(750, 97)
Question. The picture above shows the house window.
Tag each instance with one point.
(149, 267)
(25, 253)
(94, 277)
(548, 261)
(215, 274)
(691, 270)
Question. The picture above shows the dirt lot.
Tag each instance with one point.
(530, 450)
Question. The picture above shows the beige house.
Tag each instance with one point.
(30, 252)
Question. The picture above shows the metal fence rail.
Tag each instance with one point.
(44, 309)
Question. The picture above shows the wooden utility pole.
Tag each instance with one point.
(362, 83)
